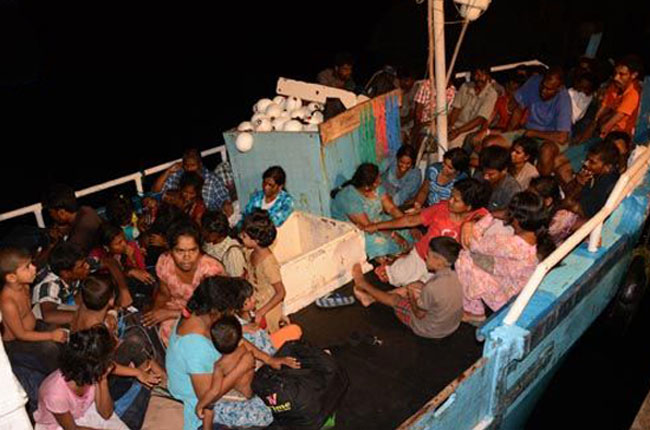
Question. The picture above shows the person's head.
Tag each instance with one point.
(190, 186)
(406, 78)
(602, 158)
(173, 197)
(468, 195)
(245, 298)
(343, 65)
(273, 181)
(523, 150)
(627, 71)
(192, 161)
(366, 177)
(184, 240)
(113, 239)
(406, 156)
(552, 83)
(68, 261)
(481, 75)
(526, 212)
(226, 333)
(119, 210)
(585, 65)
(97, 292)
(548, 189)
(494, 162)
(443, 252)
(214, 297)
(585, 83)
(455, 161)
(215, 226)
(621, 139)
(258, 229)
(514, 82)
(60, 203)
(87, 356)
(16, 266)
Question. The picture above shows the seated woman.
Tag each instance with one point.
(522, 157)
(191, 356)
(190, 187)
(496, 262)
(273, 197)
(363, 201)
(402, 179)
(180, 271)
(561, 220)
(76, 395)
(441, 177)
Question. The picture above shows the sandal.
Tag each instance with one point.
(335, 300)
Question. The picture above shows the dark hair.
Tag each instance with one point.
(474, 193)
(119, 210)
(277, 174)
(60, 196)
(226, 334)
(556, 71)
(10, 259)
(447, 247)
(244, 290)
(215, 222)
(167, 216)
(64, 256)
(527, 208)
(589, 77)
(183, 227)
(365, 175)
(192, 154)
(191, 179)
(108, 233)
(343, 58)
(529, 145)
(87, 356)
(547, 187)
(632, 62)
(97, 291)
(483, 67)
(494, 157)
(607, 151)
(259, 227)
(612, 136)
(213, 294)
(459, 159)
(407, 151)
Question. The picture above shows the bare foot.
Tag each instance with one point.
(357, 274)
(364, 298)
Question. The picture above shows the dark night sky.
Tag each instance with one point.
(94, 90)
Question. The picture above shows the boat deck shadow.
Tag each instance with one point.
(392, 380)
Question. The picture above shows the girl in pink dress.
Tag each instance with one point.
(180, 271)
(498, 259)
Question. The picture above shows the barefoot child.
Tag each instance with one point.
(22, 339)
(258, 234)
(437, 311)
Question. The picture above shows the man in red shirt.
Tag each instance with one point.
(468, 200)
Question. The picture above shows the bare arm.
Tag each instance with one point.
(160, 181)
(403, 222)
(159, 312)
(419, 313)
(275, 300)
(390, 207)
(103, 400)
(66, 421)
(360, 220)
(12, 321)
(113, 268)
(611, 122)
(422, 194)
(52, 315)
(453, 117)
(478, 122)
(515, 119)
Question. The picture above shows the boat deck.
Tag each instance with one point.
(390, 381)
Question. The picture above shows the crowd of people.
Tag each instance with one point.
(172, 293)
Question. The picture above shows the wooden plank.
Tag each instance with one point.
(349, 120)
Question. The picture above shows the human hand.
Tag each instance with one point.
(59, 335)
(142, 276)
(453, 133)
(176, 167)
(584, 176)
(258, 319)
(110, 321)
(466, 232)
(146, 377)
(157, 240)
(228, 209)
(370, 228)
(278, 362)
(156, 316)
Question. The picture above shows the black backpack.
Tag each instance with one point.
(302, 398)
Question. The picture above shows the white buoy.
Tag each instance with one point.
(293, 103)
(280, 101)
(273, 111)
(245, 126)
(315, 118)
(301, 113)
(262, 104)
(292, 125)
(315, 106)
(278, 123)
(285, 114)
(258, 116)
(244, 142)
(262, 125)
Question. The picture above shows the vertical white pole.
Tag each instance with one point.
(39, 217)
(441, 75)
(138, 184)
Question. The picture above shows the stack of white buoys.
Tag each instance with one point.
(287, 114)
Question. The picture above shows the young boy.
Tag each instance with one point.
(494, 162)
(590, 189)
(468, 200)
(438, 310)
(21, 336)
(219, 245)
